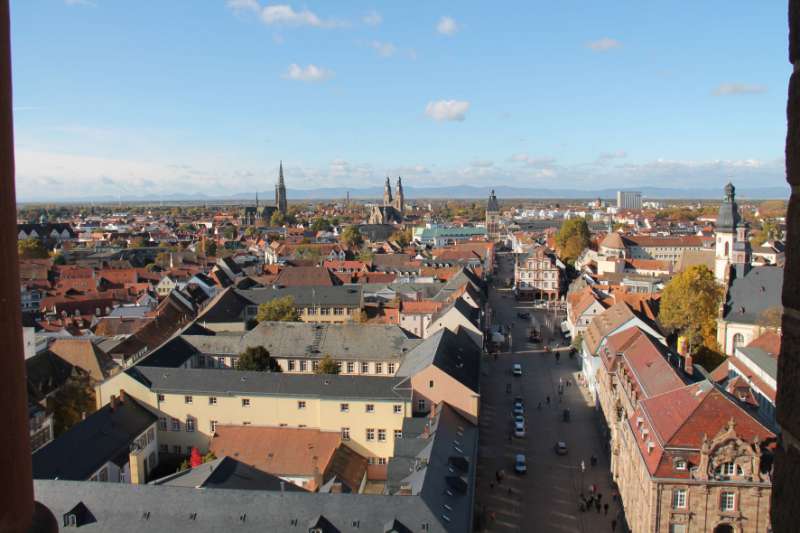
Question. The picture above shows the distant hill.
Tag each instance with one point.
(461, 192)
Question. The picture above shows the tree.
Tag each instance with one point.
(351, 237)
(138, 242)
(257, 358)
(402, 238)
(277, 219)
(59, 259)
(31, 249)
(572, 238)
(577, 342)
(689, 306)
(327, 366)
(72, 402)
(249, 232)
(229, 233)
(209, 248)
(278, 310)
(366, 255)
(321, 224)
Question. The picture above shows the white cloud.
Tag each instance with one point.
(309, 73)
(608, 156)
(451, 110)
(733, 89)
(384, 49)
(604, 45)
(447, 26)
(243, 5)
(283, 14)
(373, 18)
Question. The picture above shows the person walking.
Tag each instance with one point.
(613, 525)
(597, 505)
(547, 400)
(605, 509)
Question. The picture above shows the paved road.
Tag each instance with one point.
(546, 498)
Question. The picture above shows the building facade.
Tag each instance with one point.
(629, 200)
(538, 275)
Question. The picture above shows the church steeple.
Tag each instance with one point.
(387, 192)
(399, 197)
(280, 191)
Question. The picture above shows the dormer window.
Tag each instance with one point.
(680, 464)
(728, 470)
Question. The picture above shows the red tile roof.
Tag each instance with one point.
(769, 341)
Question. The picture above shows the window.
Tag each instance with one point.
(324, 311)
(245, 402)
(726, 469)
(176, 424)
(345, 433)
(677, 528)
(430, 384)
(212, 400)
(381, 460)
(234, 362)
(398, 433)
(301, 404)
(365, 368)
(162, 423)
(160, 397)
(680, 464)
(379, 368)
(679, 498)
(390, 368)
(738, 340)
(369, 408)
(303, 366)
(151, 435)
(291, 365)
(187, 399)
(344, 407)
(351, 367)
(189, 424)
(311, 311)
(381, 435)
(370, 434)
(727, 501)
(397, 408)
(421, 404)
(212, 425)
(314, 365)
(176, 449)
(338, 311)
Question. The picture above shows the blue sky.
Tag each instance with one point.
(155, 96)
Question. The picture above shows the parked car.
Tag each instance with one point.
(516, 369)
(519, 409)
(519, 429)
(520, 465)
(561, 447)
(524, 315)
(520, 419)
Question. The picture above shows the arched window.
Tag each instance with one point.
(738, 340)
(726, 248)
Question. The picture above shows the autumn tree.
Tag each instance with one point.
(321, 224)
(351, 237)
(402, 238)
(31, 249)
(327, 366)
(278, 310)
(572, 238)
(257, 358)
(74, 400)
(277, 219)
(689, 307)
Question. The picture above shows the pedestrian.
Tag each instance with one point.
(547, 400)
(605, 509)
(613, 525)
(599, 495)
(569, 383)
(597, 505)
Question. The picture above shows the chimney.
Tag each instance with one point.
(113, 403)
(433, 410)
(122, 396)
(688, 364)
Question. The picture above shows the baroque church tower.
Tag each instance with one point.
(280, 191)
(732, 245)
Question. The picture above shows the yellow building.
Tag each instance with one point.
(368, 411)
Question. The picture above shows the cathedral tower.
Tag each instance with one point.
(399, 198)
(280, 191)
(492, 217)
(387, 192)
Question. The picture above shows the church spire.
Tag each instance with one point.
(387, 192)
(280, 191)
(399, 197)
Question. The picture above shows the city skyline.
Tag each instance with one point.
(208, 98)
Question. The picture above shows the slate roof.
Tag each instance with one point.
(752, 294)
(455, 354)
(103, 436)
(764, 351)
(237, 382)
(226, 473)
(121, 508)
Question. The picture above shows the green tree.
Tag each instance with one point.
(402, 238)
(229, 232)
(71, 402)
(327, 366)
(210, 249)
(278, 310)
(249, 232)
(321, 224)
(257, 358)
(689, 307)
(31, 249)
(366, 255)
(572, 238)
(138, 242)
(351, 237)
(59, 259)
(277, 219)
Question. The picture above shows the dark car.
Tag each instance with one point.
(523, 315)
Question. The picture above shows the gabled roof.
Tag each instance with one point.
(85, 355)
(103, 436)
(752, 294)
(454, 353)
(645, 358)
(306, 276)
(226, 473)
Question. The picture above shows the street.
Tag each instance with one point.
(547, 497)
